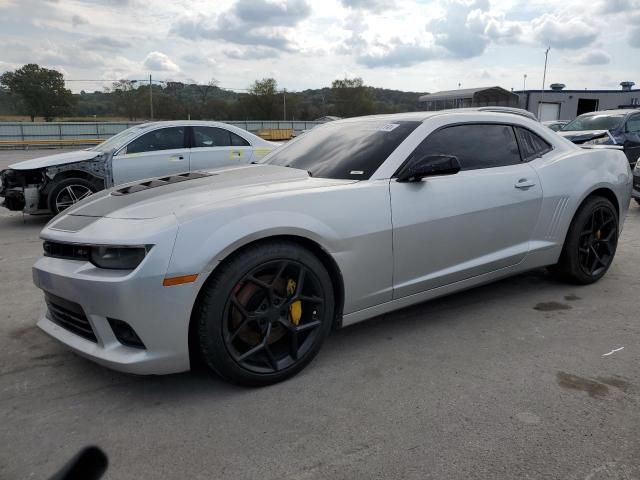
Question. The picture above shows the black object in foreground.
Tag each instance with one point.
(89, 464)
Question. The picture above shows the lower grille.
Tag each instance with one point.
(636, 183)
(69, 316)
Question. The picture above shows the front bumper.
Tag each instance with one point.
(159, 315)
(635, 193)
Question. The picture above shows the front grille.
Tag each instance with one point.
(67, 251)
(69, 316)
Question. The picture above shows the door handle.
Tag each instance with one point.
(524, 184)
(176, 157)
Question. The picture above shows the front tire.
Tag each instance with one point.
(265, 313)
(68, 192)
(591, 243)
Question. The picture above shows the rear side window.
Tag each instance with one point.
(531, 145)
(161, 139)
(238, 141)
(216, 137)
(475, 145)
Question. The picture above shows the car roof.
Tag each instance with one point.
(178, 123)
(422, 116)
(618, 111)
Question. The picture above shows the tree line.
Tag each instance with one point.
(40, 92)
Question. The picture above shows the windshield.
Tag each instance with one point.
(118, 140)
(349, 150)
(594, 122)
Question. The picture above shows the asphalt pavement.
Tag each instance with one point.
(526, 378)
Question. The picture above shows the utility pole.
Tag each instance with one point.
(284, 103)
(524, 83)
(150, 97)
(544, 79)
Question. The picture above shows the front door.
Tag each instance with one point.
(454, 227)
(157, 153)
(214, 147)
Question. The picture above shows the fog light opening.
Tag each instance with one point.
(125, 334)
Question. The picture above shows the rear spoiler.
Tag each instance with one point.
(602, 147)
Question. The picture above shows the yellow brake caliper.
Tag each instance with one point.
(295, 309)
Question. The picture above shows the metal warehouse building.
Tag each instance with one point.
(468, 97)
(561, 104)
(554, 104)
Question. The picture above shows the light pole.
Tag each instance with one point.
(284, 103)
(524, 82)
(150, 97)
(544, 79)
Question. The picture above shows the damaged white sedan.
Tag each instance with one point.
(55, 182)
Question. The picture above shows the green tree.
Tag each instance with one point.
(263, 98)
(42, 90)
(126, 98)
(351, 98)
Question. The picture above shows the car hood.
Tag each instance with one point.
(202, 192)
(57, 159)
(579, 136)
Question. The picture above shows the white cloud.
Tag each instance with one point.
(634, 37)
(158, 61)
(594, 57)
(376, 6)
(78, 20)
(564, 32)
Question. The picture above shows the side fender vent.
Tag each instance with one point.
(159, 182)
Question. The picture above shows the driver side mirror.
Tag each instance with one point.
(429, 166)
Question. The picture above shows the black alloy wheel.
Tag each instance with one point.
(264, 314)
(591, 243)
(598, 241)
(273, 316)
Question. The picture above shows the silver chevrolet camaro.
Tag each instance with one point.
(248, 268)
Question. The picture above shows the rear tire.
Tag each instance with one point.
(68, 192)
(637, 200)
(247, 306)
(590, 244)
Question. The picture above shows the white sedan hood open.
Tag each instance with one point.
(56, 159)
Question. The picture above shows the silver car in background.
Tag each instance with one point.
(250, 267)
(54, 182)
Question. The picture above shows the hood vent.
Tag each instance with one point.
(159, 182)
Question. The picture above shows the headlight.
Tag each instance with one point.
(102, 256)
(604, 140)
(117, 258)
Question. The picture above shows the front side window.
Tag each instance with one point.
(475, 145)
(161, 139)
(633, 124)
(531, 145)
(351, 150)
(216, 137)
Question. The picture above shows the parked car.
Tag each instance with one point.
(608, 127)
(555, 125)
(54, 182)
(636, 183)
(251, 266)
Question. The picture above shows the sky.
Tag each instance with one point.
(420, 46)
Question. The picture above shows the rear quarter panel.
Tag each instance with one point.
(567, 178)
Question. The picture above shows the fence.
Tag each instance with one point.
(37, 132)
